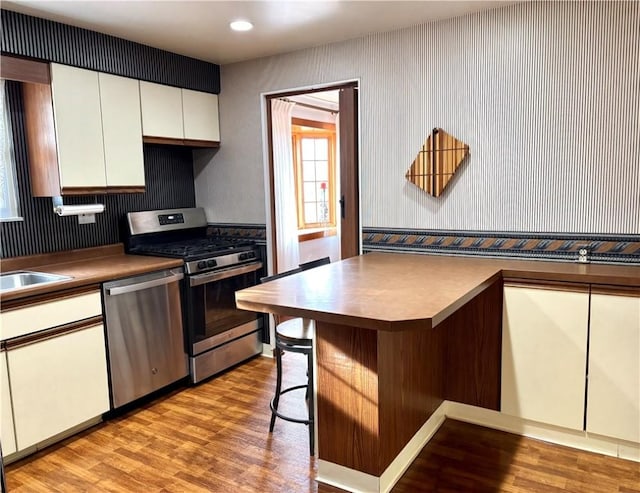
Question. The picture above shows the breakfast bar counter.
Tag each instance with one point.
(396, 336)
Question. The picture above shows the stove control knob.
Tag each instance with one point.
(211, 263)
(202, 264)
(251, 255)
(242, 256)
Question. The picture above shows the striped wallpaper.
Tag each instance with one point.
(34, 37)
(546, 94)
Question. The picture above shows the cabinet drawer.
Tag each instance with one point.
(39, 316)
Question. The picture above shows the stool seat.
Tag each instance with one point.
(296, 331)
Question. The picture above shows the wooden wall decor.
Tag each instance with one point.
(436, 163)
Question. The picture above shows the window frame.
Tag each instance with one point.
(319, 130)
(10, 212)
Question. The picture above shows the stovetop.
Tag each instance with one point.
(182, 233)
(194, 248)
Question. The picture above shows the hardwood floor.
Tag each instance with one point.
(214, 438)
(465, 457)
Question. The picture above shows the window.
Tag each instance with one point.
(8, 188)
(314, 150)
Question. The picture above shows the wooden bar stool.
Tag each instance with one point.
(294, 335)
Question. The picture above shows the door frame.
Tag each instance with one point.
(267, 153)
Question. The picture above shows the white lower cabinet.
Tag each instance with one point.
(544, 352)
(57, 384)
(7, 436)
(613, 393)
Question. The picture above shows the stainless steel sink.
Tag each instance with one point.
(11, 281)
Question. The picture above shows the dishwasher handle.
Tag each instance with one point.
(132, 288)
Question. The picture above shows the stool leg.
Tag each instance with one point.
(276, 398)
(311, 403)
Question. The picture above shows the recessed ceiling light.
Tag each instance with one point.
(241, 26)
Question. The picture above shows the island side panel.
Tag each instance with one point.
(411, 369)
(347, 397)
(473, 350)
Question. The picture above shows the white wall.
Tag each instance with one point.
(545, 94)
(328, 246)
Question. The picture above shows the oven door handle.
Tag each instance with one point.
(144, 285)
(223, 274)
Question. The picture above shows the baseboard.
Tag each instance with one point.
(346, 478)
(359, 482)
(32, 449)
(412, 449)
(553, 434)
(267, 350)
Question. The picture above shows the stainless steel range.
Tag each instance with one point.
(217, 334)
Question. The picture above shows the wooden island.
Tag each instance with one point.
(396, 336)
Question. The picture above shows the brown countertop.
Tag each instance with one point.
(389, 291)
(86, 267)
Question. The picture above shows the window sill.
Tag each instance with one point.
(315, 233)
(11, 219)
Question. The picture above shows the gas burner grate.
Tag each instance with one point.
(192, 248)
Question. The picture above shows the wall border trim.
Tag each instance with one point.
(619, 248)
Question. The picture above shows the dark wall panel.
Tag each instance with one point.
(52, 41)
(169, 183)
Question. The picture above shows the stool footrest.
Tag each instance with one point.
(289, 418)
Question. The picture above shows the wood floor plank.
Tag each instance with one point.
(214, 437)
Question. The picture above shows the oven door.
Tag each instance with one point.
(212, 317)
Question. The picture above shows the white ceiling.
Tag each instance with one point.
(200, 29)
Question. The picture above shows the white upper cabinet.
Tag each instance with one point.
(161, 110)
(78, 127)
(174, 113)
(544, 350)
(92, 141)
(613, 406)
(200, 112)
(122, 131)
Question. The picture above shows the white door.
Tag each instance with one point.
(544, 350)
(200, 113)
(161, 110)
(122, 130)
(613, 405)
(7, 436)
(58, 383)
(78, 122)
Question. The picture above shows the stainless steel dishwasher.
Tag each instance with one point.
(145, 339)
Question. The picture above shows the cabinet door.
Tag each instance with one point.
(200, 113)
(161, 110)
(78, 124)
(544, 351)
(122, 131)
(57, 384)
(613, 394)
(7, 437)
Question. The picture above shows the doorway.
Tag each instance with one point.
(323, 185)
